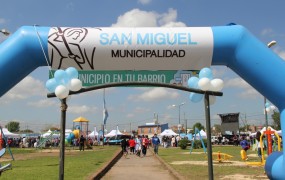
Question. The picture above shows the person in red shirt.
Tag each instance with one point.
(132, 144)
(144, 144)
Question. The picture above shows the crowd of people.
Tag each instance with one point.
(139, 144)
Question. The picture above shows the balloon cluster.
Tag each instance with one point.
(269, 107)
(63, 82)
(205, 82)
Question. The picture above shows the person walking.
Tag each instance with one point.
(144, 144)
(155, 142)
(138, 146)
(124, 145)
(81, 143)
(132, 144)
(258, 135)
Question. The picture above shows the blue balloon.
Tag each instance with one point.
(195, 97)
(61, 77)
(206, 73)
(267, 104)
(72, 72)
(51, 84)
(193, 82)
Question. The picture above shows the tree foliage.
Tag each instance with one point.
(52, 128)
(199, 126)
(276, 120)
(217, 129)
(13, 126)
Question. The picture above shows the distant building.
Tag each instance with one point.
(152, 128)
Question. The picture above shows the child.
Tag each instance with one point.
(245, 146)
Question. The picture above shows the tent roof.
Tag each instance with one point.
(113, 133)
(168, 132)
(80, 119)
(9, 134)
(93, 134)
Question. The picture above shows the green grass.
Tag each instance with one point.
(37, 164)
(191, 171)
(78, 165)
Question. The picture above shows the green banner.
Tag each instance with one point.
(92, 78)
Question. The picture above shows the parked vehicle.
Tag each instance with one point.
(116, 140)
(214, 140)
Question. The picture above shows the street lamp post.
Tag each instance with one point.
(179, 125)
(269, 45)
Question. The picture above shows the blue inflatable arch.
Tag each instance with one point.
(234, 47)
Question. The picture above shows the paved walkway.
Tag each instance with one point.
(136, 168)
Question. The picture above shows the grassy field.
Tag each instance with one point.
(44, 164)
(194, 165)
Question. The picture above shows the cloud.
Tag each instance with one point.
(144, 2)
(43, 103)
(267, 31)
(81, 109)
(130, 115)
(2, 21)
(138, 110)
(155, 94)
(148, 19)
(247, 90)
(141, 110)
(28, 87)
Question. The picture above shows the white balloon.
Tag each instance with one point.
(61, 92)
(75, 84)
(212, 100)
(217, 84)
(204, 84)
(268, 109)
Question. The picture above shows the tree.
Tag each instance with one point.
(13, 126)
(216, 129)
(50, 127)
(276, 120)
(199, 126)
(27, 131)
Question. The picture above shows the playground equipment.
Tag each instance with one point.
(200, 137)
(243, 154)
(6, 166)
(43, 140)
(3, 151)
(232, 46)
(268, 133)
(73, 135)
(221, 157)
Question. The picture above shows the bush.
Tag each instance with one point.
(183, 143)
(198, 144)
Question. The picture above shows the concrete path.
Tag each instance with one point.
(134, 167)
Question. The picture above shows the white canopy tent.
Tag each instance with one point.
(168, 132)
(93, 134)
(113, 133)
(264, 129)
(67, 132)
(8, 134)
(45, 135)
(202, 133)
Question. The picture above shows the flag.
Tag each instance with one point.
(105, 112)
